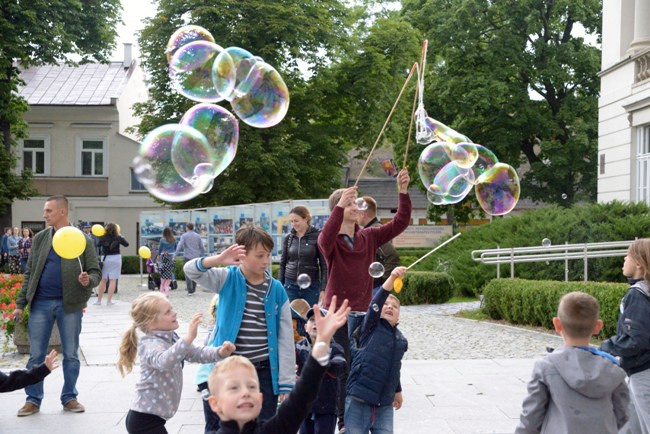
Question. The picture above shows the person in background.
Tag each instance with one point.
(4, 247)
(386, 254)
(110, 244)
(166, 252)
(55, 289)
(191, 245)
(301, 255)
(24, 248)
(14, 253)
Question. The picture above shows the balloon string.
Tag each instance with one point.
(436, 248)
(385, 124)
(80, 266)
(408, 140)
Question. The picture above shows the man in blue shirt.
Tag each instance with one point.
(4, 247)
(191, 245)
(56, 289)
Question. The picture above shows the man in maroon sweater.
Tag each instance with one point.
(349, 250)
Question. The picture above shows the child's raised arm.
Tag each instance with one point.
(231, 256)
(397, 272)
(327, 325)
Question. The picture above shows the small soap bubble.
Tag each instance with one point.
(184, 36)
(376, 270)
(564, 196)
(453, 181)
(497, 190)
(154, 168)
(546, 242)
(465, 155)
(361, 204)
(304, 281)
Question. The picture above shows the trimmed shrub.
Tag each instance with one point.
(615, 221)
(425, 287)
(406, 260)
(535, 303)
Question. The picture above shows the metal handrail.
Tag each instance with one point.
(561, 252)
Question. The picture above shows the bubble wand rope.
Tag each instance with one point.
(418, 90)
(385, 123)
(436, 248)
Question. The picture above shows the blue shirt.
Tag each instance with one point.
(5, 245)
(50, 286)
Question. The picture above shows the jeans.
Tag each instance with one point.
(360, 418)
(310, 294)
(191, 285)
(639, 422)
(23, 264)
(42, 315)
(319, 424)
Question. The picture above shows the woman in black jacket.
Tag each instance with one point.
(112, 261)
(300, 255)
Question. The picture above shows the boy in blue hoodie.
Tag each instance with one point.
(253, 313)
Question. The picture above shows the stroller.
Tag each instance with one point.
(153, 277)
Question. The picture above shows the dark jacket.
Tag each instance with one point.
(329, 389)
(293, 410)
(111, 245)
(22, 378)
(302, 255)
(632, 340)
(75, 295)
(377, 352)
(386, 254)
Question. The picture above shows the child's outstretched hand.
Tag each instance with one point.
(403, 180)
(227, 348)
(232, 255)
(51, 361)
(397, 273)
(194, 327)
(327, 325)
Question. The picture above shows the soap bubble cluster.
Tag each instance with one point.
(177, 162)
(451, 165)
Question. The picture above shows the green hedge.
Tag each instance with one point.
(424, 287)
(534, 303)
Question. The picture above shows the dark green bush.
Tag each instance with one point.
(581, 224)
(131, 265)
(534, 303)
(424, 287)
(406, 260)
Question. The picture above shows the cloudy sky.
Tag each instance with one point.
(134, 11)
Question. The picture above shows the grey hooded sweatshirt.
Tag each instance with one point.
(575, 391)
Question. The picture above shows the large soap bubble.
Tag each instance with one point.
(220, 128)
(154, 168)
(444, 133)
(184, 36)
(497, 190)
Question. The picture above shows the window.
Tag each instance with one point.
(643, 164)
(93, 159)
(35, 155)
(36, 227)
(135, 184)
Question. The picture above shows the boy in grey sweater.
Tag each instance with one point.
(577, 388)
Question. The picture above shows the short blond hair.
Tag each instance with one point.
(578, 313)
(225, 366)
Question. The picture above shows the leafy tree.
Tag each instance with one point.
(35, 33)
(298, 157)
(517, 77)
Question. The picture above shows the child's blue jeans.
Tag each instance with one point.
(361, 418)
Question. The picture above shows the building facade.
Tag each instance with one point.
(624, 103)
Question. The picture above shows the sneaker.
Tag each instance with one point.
(109, 303)
(74, 406)
(28, 409)
(97, 303)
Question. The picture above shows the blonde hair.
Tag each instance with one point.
(144, 311)
(639, 250)
(578, 313)
(225, 366)
(212, 308)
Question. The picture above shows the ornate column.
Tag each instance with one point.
(641, 26)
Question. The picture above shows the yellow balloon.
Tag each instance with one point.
(69, 242)
(397, 284)
(119, 230)
(98, 230)
(144, 252)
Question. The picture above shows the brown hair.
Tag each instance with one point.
(226, 365)
(250, 236)
(111, 229)
(372, 205)
(168, 234)
(302, 212)
(31, 233)
(335, 197)
(189, 226)
(144, 311)
(61, 201)
(639, 250)
(578, 312)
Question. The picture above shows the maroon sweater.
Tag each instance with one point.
(347, 269)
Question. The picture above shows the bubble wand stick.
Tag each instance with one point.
(385, 123)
